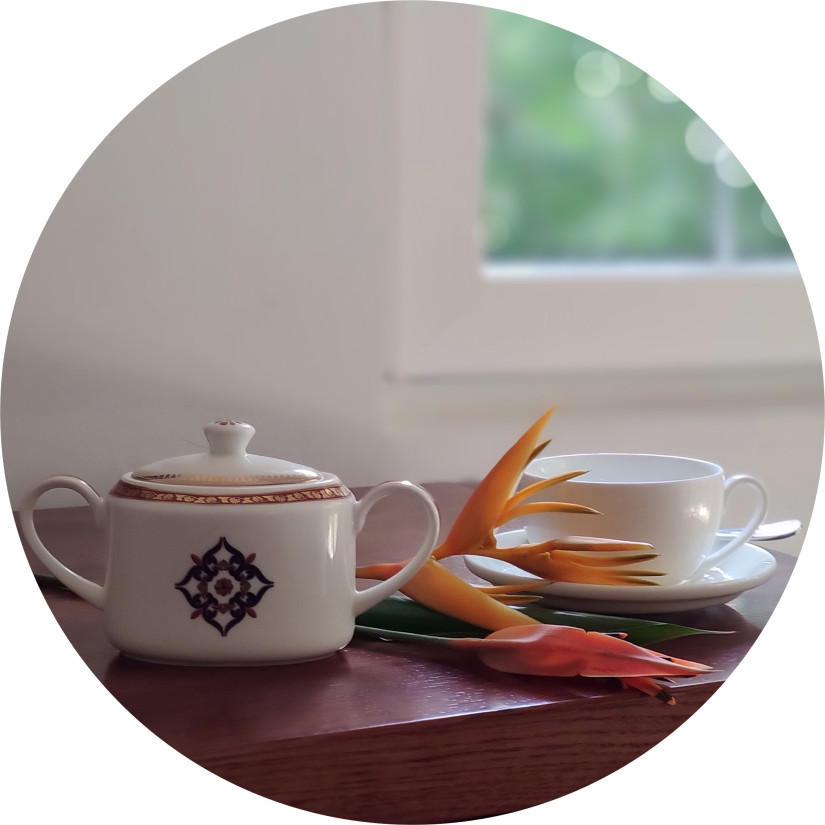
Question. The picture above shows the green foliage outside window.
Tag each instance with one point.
(590, 159)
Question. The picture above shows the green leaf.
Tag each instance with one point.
(400, 613)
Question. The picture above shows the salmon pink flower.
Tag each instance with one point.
(558, 650)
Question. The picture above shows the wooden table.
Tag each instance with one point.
(387, 732)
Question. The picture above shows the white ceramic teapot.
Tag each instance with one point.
(227, 558)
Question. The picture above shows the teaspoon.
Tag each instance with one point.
(769, 531)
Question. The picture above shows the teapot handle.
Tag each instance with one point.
(365, 599)
(88, 590)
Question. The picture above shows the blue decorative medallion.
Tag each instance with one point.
(224, 586)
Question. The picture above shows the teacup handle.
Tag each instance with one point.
(756, 519)
(365, 599)
(88, 590)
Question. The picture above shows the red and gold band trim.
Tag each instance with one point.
(124, 490)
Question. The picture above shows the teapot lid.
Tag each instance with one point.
(226, 464)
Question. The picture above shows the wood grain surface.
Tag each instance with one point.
(387, 732)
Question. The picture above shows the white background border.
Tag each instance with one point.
(71, 71)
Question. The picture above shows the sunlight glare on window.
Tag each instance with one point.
(659, 92)
(701, 141)
(589, 159)
(729, 170)
(597, 73)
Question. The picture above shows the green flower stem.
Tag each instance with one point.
(402, 614)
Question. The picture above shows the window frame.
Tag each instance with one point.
(459, 316)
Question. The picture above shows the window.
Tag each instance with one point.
(461, 315)
(588, 158)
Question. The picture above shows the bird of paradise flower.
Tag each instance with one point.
(519, 643)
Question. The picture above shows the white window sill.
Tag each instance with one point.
(415, 404)
(594, 271)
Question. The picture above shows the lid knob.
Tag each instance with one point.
(228, 437)
(227, 463)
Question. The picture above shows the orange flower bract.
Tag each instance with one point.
(519, 643)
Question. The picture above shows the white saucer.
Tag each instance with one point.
(744, 569)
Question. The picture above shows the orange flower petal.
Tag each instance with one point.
(475, 522)
(571, 566)
(437, 587)
(533, 507)
(596, 545)
(532, 489)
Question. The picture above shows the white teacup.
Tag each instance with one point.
(676, 504)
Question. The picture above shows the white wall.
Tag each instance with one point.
(223, 253)
(230, 251)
